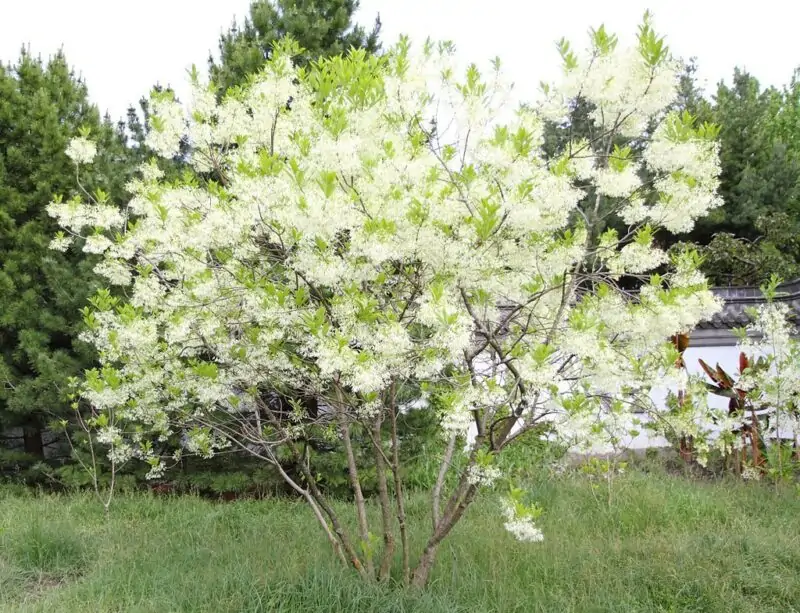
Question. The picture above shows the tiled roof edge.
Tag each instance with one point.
(752, 294)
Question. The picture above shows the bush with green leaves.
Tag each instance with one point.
(385, 230)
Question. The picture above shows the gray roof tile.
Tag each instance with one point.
(737, 299)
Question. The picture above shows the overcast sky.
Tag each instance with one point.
(123, 48)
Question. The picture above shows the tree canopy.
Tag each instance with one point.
(349, 249)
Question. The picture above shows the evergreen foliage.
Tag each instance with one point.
(42, 106)
(322, 28)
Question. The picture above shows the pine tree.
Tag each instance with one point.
(755, 233)
(42, 106)
(322, 27)
(745, 111)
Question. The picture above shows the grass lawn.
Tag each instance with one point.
(665, 544)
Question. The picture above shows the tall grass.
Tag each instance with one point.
(665, 544)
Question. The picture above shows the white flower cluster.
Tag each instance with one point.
(81, 150)
(635, 258)
(618, 184)
(61, 243)
(522, 527)
(167, 125)
(483, 476)
(625, 89)
(774, 389)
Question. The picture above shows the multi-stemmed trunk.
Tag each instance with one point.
(456, 506)
(392, 503)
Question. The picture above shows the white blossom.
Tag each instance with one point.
(96, 243)
(81, 150)
(524, 530)
(61, 243)
(483, 476)
(522, 527)
(618, 184)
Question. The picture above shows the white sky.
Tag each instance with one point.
(123, 48)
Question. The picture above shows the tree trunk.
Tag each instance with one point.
(398, 489)
(755, 440)
(358, 496)
(32, 440)
(686, 448)
(437, 488)
(453, 513)
(386, 505)
(423, 570)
